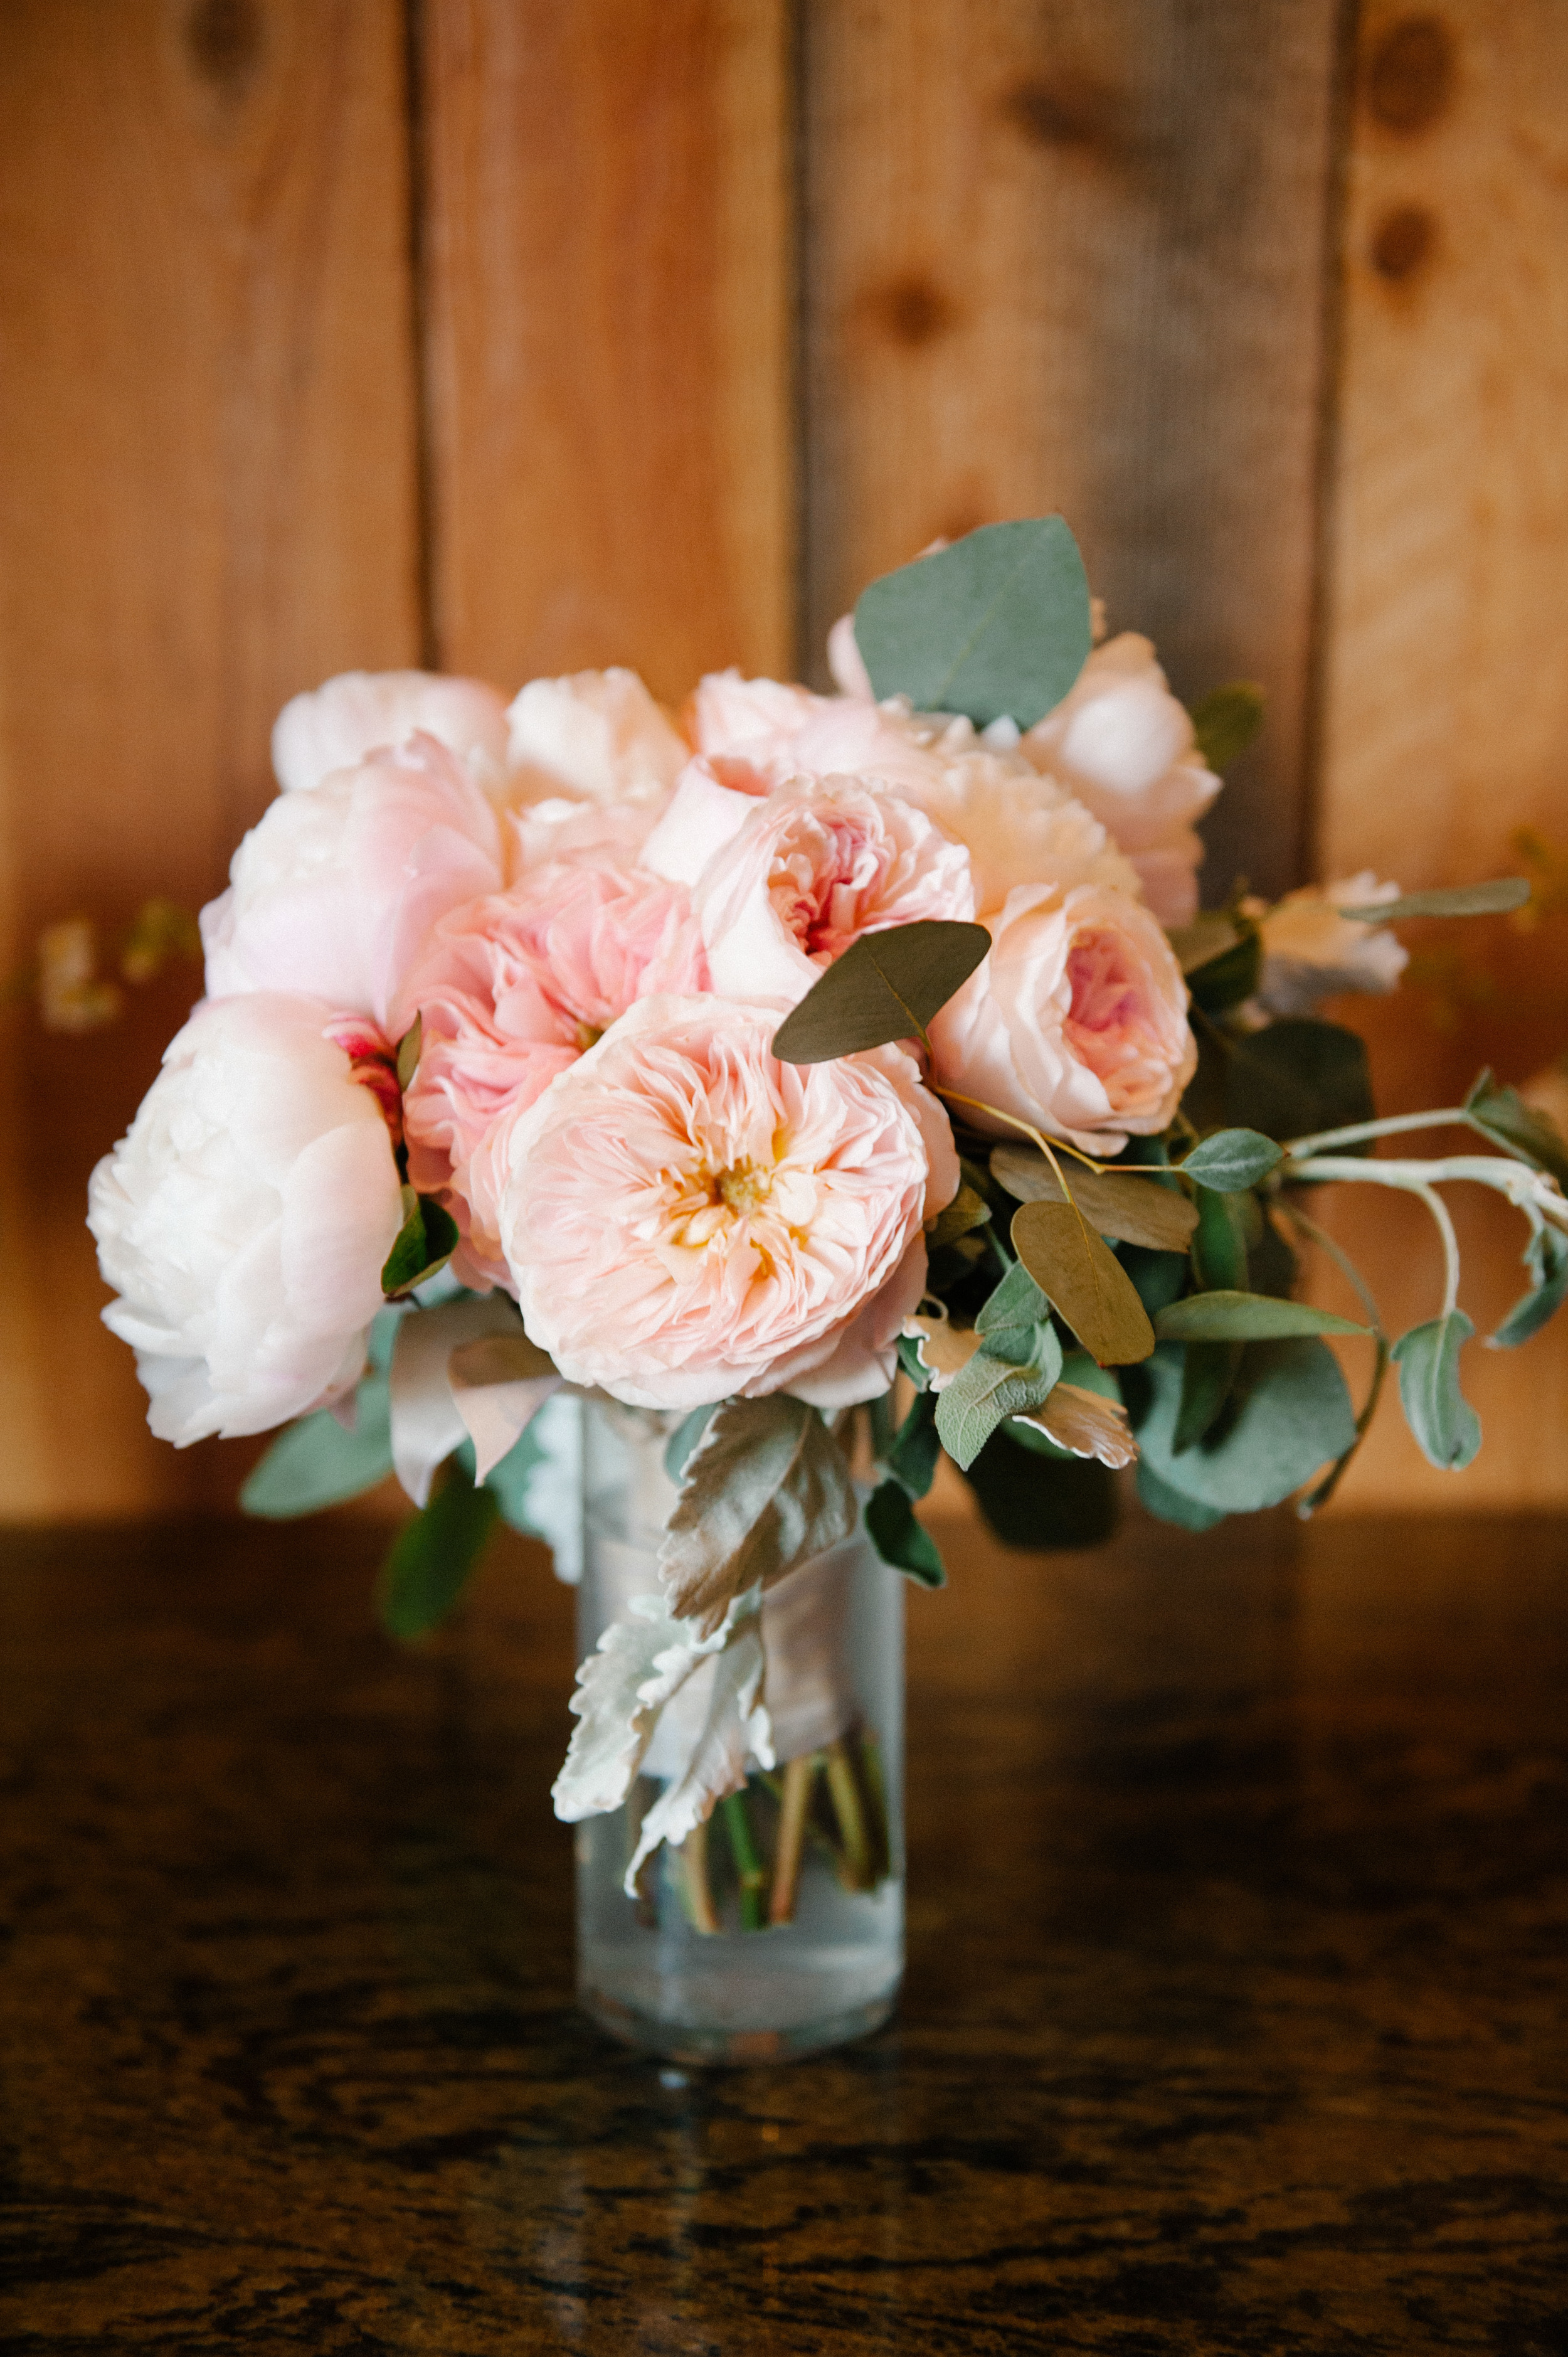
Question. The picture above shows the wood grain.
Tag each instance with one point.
(1072, 256)
(1447, 715)
(206, 406)
(608, 288)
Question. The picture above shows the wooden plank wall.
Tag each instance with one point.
(531, 336)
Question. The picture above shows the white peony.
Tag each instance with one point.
(334, 726)
(245, 1220)
(336, 891)
(1122, 743)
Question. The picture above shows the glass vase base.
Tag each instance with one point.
(707, 2045)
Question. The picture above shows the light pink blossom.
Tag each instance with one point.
(1124, 746)
(335, 891)
(1076, 1022)
(245, 1217)
(685, 1218)
(334, 726)
(513, 989)
(597, 736)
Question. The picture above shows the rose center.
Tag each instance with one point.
(743, 1187)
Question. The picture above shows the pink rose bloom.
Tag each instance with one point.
(597, 736)
(685, 1218)
(334, 726)
(245, 1217)
(335, 892)
(1120, 742)
(1076, 1022)
(513, 989)
(798, 875)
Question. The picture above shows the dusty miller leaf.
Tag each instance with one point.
(766, 1488)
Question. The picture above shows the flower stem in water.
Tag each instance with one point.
(695, 1885)
(857, 1871)
(750, 1872)
(794, 1805)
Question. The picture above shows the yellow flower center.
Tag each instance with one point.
(743, 1187)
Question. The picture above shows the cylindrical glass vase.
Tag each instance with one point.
(776, 1927)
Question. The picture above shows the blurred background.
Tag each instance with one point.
(517, 336)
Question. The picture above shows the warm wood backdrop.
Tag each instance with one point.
(516, 334)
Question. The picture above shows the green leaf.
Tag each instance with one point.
(1170, 1506)
(1452, 900)
(425, 1242)
(1227, 720)
(766, 1487)
(1041, 1502)
(315, 1463)
(1014, 1317)
(1227, 1317)
(987, 1391)
(433, 1556)
(1288, 1414)
(684, 1439)
(1502, 1115)
(1219, 1248)
(1546, 1257)
(1208, 1379)
(1084, 1280)
(1134, 1210)
(885, 987)
(996, 626)
(1222, 957)
(1231, 1158)
(968, 1210)
(1295, 1077)
(912, 1459)
(511, 1482)
(900, 1539)
(1157, 1277)
(408, 1048)
(1206, 940)
(1443, 1422)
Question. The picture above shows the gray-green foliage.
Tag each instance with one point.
(885, 987)
(434, 1554)
(995, 626)
(1443, 1422)
(1288, 1413)
(1546, 1258)
(1232, 1158)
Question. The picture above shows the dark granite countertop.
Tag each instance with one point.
(1233, 2021)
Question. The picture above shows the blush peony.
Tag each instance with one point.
(335, 891)
(513, 989)
(685, 1218)
(245, 1220)
(334, 726)
(1076, 1022)
(1120, 743)
(597, 736)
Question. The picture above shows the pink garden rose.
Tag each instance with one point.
(596, 735)
(784, 883)
(685, 1218)
(245, 1217)
(1076, 1022)
(334, 892)
(513, 988)
(334, 726)
(1122, 745)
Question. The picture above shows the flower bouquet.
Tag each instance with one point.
(670, 1136)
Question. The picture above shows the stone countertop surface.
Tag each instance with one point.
(1233, 2019)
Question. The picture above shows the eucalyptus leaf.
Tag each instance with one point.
(1445, 1426)
(1219, 1246)
(1502, 1115)
(1296, 1077)
(987, 1391)
(433, 1556)
(424, 1242)
(1158, 1498)
(1208, 1379)
(995, 626)
(1134, 1210)
(1039, 1502)
(1288, 1414)
(900, 1538)
(1546, 1257)
(1227, 720)
(765, 1488)
(1227, 1317)
(1451, 900)
(1083, 1279)
(885, 987)
(1232, 1158)
(316, 1463)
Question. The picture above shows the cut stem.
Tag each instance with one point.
(695, 1889)
(750, 1872)
(844, 1793)
(794, 1807)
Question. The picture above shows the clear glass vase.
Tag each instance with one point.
(778, 1926)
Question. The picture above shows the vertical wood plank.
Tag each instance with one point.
(608, 293)
(206, 407)
(1447, 714)
(1071, 256)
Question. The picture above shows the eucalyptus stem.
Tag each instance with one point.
(794, 1807)
(1391, 1125)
